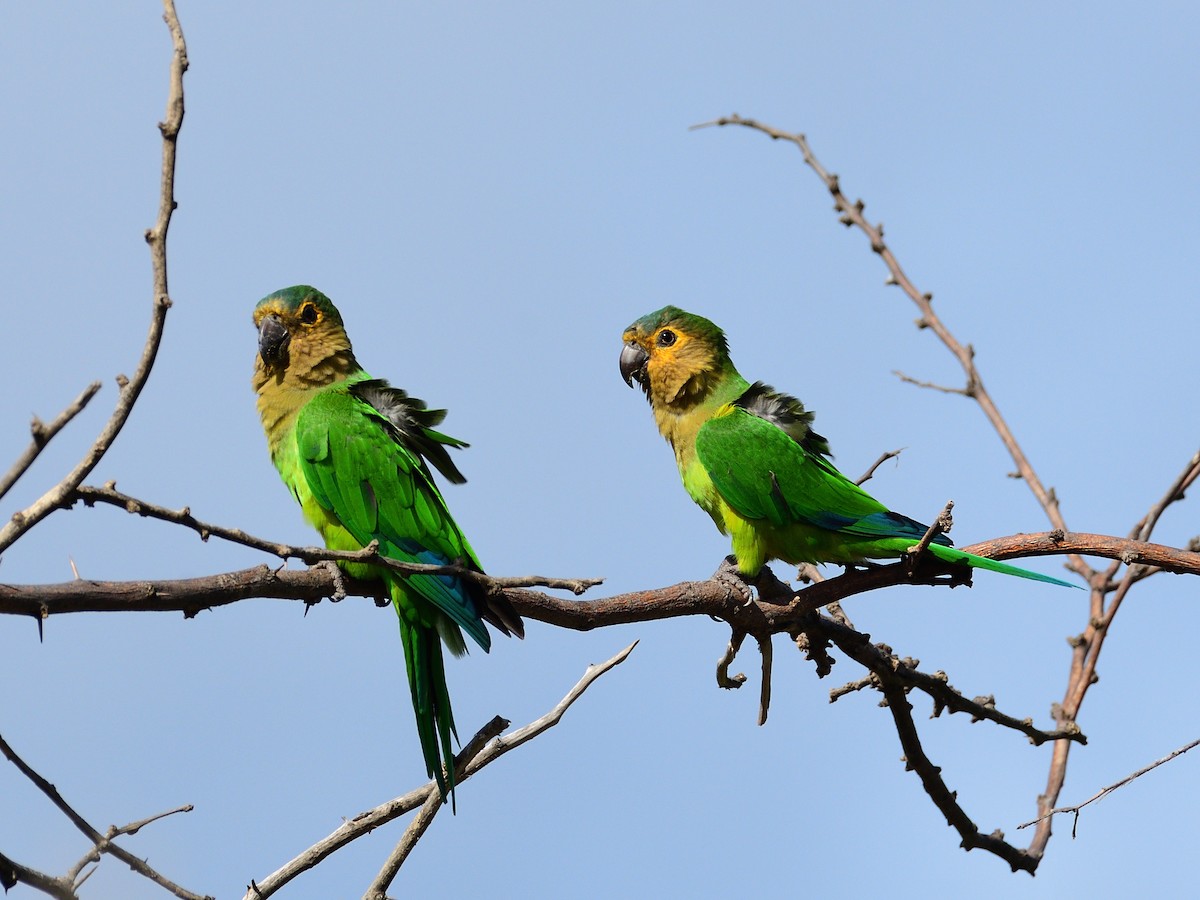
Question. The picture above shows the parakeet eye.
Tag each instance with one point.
(666, 337)
(308, 313)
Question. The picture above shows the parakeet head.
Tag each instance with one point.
(674, 355)
(301, 339)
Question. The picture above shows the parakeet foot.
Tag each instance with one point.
(735, 582)
(767, 586)
(770, 588)
(339, 582)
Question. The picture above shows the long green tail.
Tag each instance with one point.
(431, 701)
(953, 555)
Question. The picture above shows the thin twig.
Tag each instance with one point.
(1104, 792)
(135, 827)
(968, 391)
(43, 433)
(313, 555)
(884, 457)
(851, 687)
(1144, 528)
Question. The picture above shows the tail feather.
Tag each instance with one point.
(431, 702)
(497, 609)
(954, 555)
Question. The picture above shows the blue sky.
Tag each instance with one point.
(491, 193)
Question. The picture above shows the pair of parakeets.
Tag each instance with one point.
(355, 453)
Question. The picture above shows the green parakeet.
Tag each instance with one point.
(355, 453)
(749, 457)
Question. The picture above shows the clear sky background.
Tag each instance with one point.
(490, 193)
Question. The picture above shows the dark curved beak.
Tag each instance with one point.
(633, 364)
(273, 339)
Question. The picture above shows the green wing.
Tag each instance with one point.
(380, 490)
(763, 473)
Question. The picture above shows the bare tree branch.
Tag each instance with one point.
(1104, 792)
(968, 391)
(1144, 528)
(42, 435)
(93, 854)
(100, 842)
(156, 237)
(941, 525)
(886, 666)
(381, 815)
(702, 598)
(130, 389)
(945, 799)
(884, 457)
(1086, 647)
(312, 555)
(424, 817)
(13, 873)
